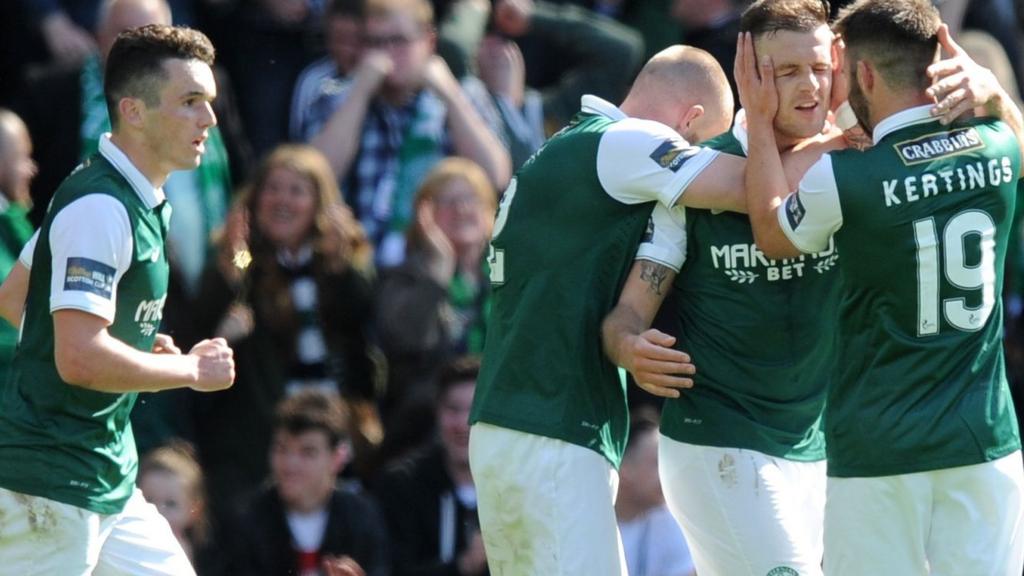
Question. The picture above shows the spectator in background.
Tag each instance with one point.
(320, 86)
(402, 113)
(520, 109)
(266, 44)
(170, 478)
(653, 543)
(711, 25)
(292, 286)
(16, 172)
(433, 307)
(429, 500)
(461, 25)
(65, 25)
(594, 54)
(66, 113)
(303, 520)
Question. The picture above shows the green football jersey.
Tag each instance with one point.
(567, 230)
(15, 231)
(923, 220)
(65, 442)
(760, 334)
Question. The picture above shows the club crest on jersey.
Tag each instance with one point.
(938, 145)
(88, 275)
(670, 155)
(794, 211)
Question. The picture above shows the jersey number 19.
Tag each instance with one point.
(981, 276)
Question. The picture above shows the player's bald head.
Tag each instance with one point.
(11, 127)
(680, 77)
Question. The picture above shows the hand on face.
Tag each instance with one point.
(438, 77)
(959, 84)
(440, 251)
(502, 68)
(512, 17)
(374, 67)
(756, 84)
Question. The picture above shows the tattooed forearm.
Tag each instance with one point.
(654, 275)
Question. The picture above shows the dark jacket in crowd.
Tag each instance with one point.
(428, 525)
(260, 542)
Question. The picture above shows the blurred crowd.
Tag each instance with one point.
(336, 234)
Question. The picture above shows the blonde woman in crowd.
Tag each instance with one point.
(433, 306)
(292, 286)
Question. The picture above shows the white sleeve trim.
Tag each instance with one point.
(810, 216)
(665, 240)
(91, 236)
(699, 162)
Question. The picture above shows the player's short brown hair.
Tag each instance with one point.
(313, 411)
(899, 37)
(457, 371)
(766, 17)
(134, 67)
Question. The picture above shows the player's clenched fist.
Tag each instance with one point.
(215, 365)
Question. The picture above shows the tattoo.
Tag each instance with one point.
(654, 275)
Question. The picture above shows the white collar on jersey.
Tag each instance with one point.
(594, 105)
(152, 197)
(902, 119)
(739, 129)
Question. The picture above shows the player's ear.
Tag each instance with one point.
(865, 76)
(687, 118)
(130, 110)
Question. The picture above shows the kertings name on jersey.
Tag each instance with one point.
(975, 175)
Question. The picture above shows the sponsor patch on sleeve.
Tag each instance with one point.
(671, 155)
(794, 210)
(87, 275)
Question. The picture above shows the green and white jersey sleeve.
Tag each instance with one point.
(811, 215)
(665, 239)
(89, 260)
(641, 160)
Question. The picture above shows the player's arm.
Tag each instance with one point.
(87, 264)
(647, 353)
(764, 179)
(960, 85)
(644, 161)
(784, 224)
(88, 356)
(13, 293)
(644, 352)
(720, 186)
